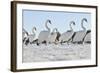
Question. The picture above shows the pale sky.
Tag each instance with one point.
(59, 20)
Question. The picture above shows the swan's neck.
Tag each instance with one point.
(82, 25)
(71, 29)
(47, 26)
(33, 31)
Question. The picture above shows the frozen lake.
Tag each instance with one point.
(52, 52)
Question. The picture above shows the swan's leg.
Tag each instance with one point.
(44, 42)
(38, 43)
(27, 42)
(61, 42)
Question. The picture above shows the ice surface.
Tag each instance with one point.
(52, 52)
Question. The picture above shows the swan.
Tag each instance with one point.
(87, 38)
(54, 36)
(32, 36)
(24, 34)
(66, 36)
(43, 35)
(80, 35)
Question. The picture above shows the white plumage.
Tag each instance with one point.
(52, 38)
(88, 37)
(32, 35)
(65, 37)
(80, 35)
(24, 35)
(43, 35)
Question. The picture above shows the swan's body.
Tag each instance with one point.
(32, 35)
(65, 37)
(87, 38)
(24, 34)
(54, 36)
(43, 35)
(80, 35)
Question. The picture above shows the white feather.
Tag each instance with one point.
(52, 37)
(79, 36)
(43, 35)
(88, 37)
(67, 35)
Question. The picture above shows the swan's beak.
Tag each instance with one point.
(74, 23)
(86, 20)
(49, 21)
(35, 28)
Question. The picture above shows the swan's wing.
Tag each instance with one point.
(79, 36)
(88, 37)
(52, 37)
(31, 37)
(66, 36)
(43, 36)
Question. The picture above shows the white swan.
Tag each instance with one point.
(43, 35)
(65, 37)
(24, 34)
(80, 35)
(32, 36)
(54, 36)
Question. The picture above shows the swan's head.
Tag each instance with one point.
(34, 28)
(49, 21)
(84, 19)
(72, 22)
